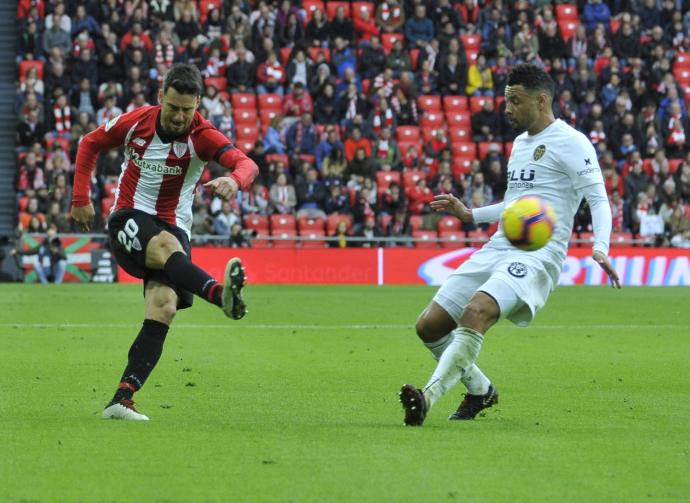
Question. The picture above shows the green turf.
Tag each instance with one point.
(298, 401)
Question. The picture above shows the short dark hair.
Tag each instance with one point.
(531, 78)
(185, 78)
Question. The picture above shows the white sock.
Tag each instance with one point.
(453, 365)
(438, 347)
(475, 381)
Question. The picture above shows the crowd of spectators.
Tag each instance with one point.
(361, 109)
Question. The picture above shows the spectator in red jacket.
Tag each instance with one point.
(355, 142)
(297, 102)
(270, 76)
(365, 26)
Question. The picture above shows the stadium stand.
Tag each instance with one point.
(75, 72)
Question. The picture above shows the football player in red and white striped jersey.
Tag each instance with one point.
(166, 149)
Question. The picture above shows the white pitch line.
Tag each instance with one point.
(323, 327)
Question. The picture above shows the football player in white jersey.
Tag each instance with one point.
(551, 160)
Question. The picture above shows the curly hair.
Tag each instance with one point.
(531, 78)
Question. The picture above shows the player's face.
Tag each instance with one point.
(522, 107)
(177, 111)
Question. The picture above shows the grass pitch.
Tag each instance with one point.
(298, 401)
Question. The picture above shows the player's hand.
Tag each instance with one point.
(223, 186)
(83, 215)
(448, 203)
(604, 263)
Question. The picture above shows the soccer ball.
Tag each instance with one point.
(528, 222)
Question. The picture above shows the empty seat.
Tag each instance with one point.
(425, 239)
(407, 133)
(448, 223)
(452, 239)
(455, 103)
(283, 222)
(429, 103)
(243, 100)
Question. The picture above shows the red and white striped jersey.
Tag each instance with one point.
(158, 178)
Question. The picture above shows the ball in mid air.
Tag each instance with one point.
(528, 222)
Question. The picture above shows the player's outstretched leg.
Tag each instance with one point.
(414, 404)
(474, 404)
(161, 306)
(233, 304)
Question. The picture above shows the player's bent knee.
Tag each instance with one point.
(160, 248)
(161, 303)
(433, 324)
(480, 314)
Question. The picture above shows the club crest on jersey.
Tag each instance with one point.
(517, 269)
(111, 123)
(539, 152)
(179, 148)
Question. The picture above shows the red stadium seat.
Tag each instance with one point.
(429, 103)
(245, 146)
(411, 177)
(243, 100)
(682, 60)
(220, 83)
(427, 239)
(568, 28)
(256, 222)
(30, 63)
(485, 146)
(621, 239)
(477, 103)
(334, 219)
(682, 75)
(283, 242)
(247, 132)
(416, 222)
(448, 223)
(285, 53)
(454, 239)
(405, 145)
(414, 57)
(271, 102)
(332, 8)
(310, 224)
(23, 203)
(477, 238)
(313, 238)
(385, 178)
(310, 6)
(281, 222)
(455, 103)
(585, 239)
(471, 41)
(459, 135)
(314, 52)
(462, 166)
(471, 55)
(432, 120)
(63, 142)
(267, 115)
(407, 133)
(459, 119)
(246, 116)
(467, 150)
(429, 133)
(508, 148)
(566, 12)
(388, 40)
(358, 7)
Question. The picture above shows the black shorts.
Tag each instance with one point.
(130, 232)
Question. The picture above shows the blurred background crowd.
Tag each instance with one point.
(358, 113)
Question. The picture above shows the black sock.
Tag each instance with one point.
(142, 357)
(192, 278)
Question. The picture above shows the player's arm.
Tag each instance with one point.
(448, 203)
(211, 144)
(105, 137)
(585, 173)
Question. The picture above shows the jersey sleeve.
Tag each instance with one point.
(580, 161)
(211, 144)
(110, 135)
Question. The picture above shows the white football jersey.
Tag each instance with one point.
(555, 165)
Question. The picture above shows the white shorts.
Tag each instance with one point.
(518, 282)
